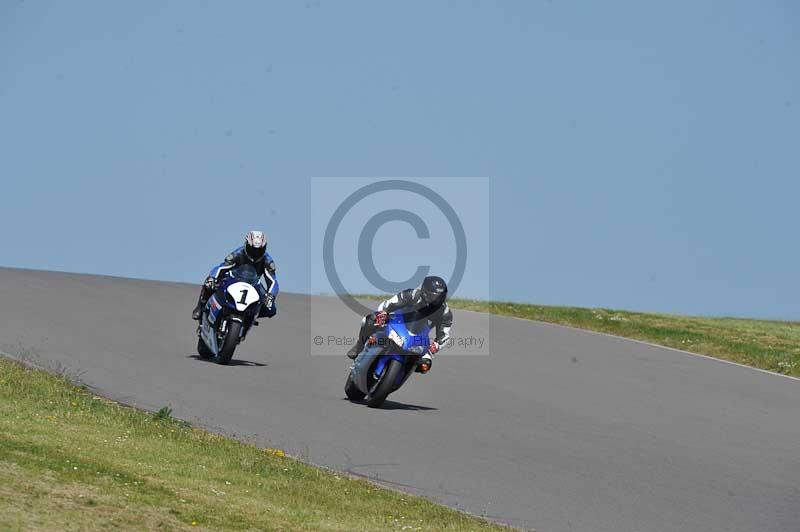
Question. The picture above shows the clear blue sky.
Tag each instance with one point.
(643, 155)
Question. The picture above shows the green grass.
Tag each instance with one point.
(73, 461)
(769, 345)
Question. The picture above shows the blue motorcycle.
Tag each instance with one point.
(389, 358)
(231, 311)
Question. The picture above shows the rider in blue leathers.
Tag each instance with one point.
(254, 253)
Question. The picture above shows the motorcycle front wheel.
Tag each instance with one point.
(230, 343)
(385, 385)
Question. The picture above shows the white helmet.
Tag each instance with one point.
(255, 245)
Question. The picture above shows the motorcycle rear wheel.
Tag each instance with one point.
(203, 350)
(351, 390)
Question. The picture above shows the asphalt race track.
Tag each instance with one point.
(558, 429)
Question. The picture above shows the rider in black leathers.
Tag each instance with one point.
(428, 302)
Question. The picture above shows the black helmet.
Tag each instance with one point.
(433, 290)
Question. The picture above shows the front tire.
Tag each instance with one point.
(230, 343)
(385, 384)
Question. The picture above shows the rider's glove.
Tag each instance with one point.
(380, 318)
(425, 363)
(211, 283)
(434, 348)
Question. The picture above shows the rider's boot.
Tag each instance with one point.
(205, 293)
(367, 328)
(198, 310)
(358, 347)
(355, 350)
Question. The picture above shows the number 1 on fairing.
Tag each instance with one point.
(243, 301)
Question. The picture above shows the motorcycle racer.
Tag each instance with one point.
(427, 302)
(254, 253)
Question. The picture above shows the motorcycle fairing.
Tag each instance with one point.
(223, 299)
(382, 352)
(208, 334)
(362, 364)
(213, 308)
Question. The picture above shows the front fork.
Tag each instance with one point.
(223, 329)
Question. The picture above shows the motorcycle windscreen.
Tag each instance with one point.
(245, 273)
(416, 341)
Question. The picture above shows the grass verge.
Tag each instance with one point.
(769, 345)
(73, 461)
